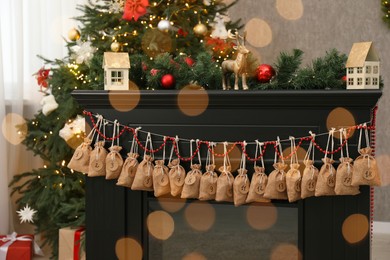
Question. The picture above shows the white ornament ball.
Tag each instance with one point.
(164, 25)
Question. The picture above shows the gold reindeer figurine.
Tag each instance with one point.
(237, 66)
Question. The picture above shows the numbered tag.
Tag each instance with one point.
(97, 165)
(281, 186)
(78, 154)
(179, 179)
(260, 188)
(113, 165)
(212, 189)
(297, 185)
(190, 179)
(311, 185)
(347, 181)
(164, 180)
(229, 191)
(148, 182)
(331, 181)
(369, 175)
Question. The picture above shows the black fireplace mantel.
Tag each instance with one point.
(113, 212)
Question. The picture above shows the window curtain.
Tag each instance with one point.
(27, 28)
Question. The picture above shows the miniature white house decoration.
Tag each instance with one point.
(116, 70)
(363, 67)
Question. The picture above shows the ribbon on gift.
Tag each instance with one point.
(10, 239)
(76, 247)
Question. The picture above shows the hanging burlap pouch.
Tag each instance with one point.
(192, 183)
(293, 176)
(143, 179)
(208, 184)
(97, 161)
(160, 179)
(177, 176)
(258, 183)
(114, 162)
(309, 179)
(326, 179)
(276, 186)
(344, 174)
(366, 169)
(241, 187)
(365, 166)
(225, 185)
(81, 156)
(129, 169)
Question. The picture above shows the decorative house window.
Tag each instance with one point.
(360, 70)
(375, 81)
(350, 70)
(375, 69)
(368, 81)
(117, 77)
(350, 81)
(368, 69)
(359, 81)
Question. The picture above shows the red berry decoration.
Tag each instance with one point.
(344, 78)
(190, 61)
(265, 73)
(168, 81)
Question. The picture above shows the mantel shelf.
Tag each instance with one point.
(232, 99)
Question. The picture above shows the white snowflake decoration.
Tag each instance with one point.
(116, 6)
(83, 52)
(26, 214)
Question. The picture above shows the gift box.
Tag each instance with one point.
(69, 247)
(16, 247)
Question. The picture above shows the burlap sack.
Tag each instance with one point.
(143, 179)
(192, 183)
(160, 179)
(177, 176)
(97, 161)
(241, 187)
(257, 187)
(309, 179)
(366, 169)
(81, 156)
(276, 187)
(344, 178)
(225, 185)
(129, 169)
(114, 162)
(326, 179)
(208, 184)
(293, 182)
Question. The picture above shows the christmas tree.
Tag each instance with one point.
(161, 37)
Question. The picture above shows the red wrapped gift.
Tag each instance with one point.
(16, 247)
(69, 247)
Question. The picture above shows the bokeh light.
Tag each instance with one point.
(355, 228)
(340, 117)
(128, 249)
(200, 215)
(194, 256)
(14, 128)
(383, 162)
(286, 252)
(171, 204)
(160, 225)
(261, 217)
(155, 42)
(259, 33)
(234, 156)
(124, 101)
(290, 9)
(192, 100)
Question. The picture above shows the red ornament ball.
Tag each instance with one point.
(265, 73)
(344, 78)
(168, 81)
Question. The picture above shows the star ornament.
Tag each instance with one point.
(134, 9)
(26, 214)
